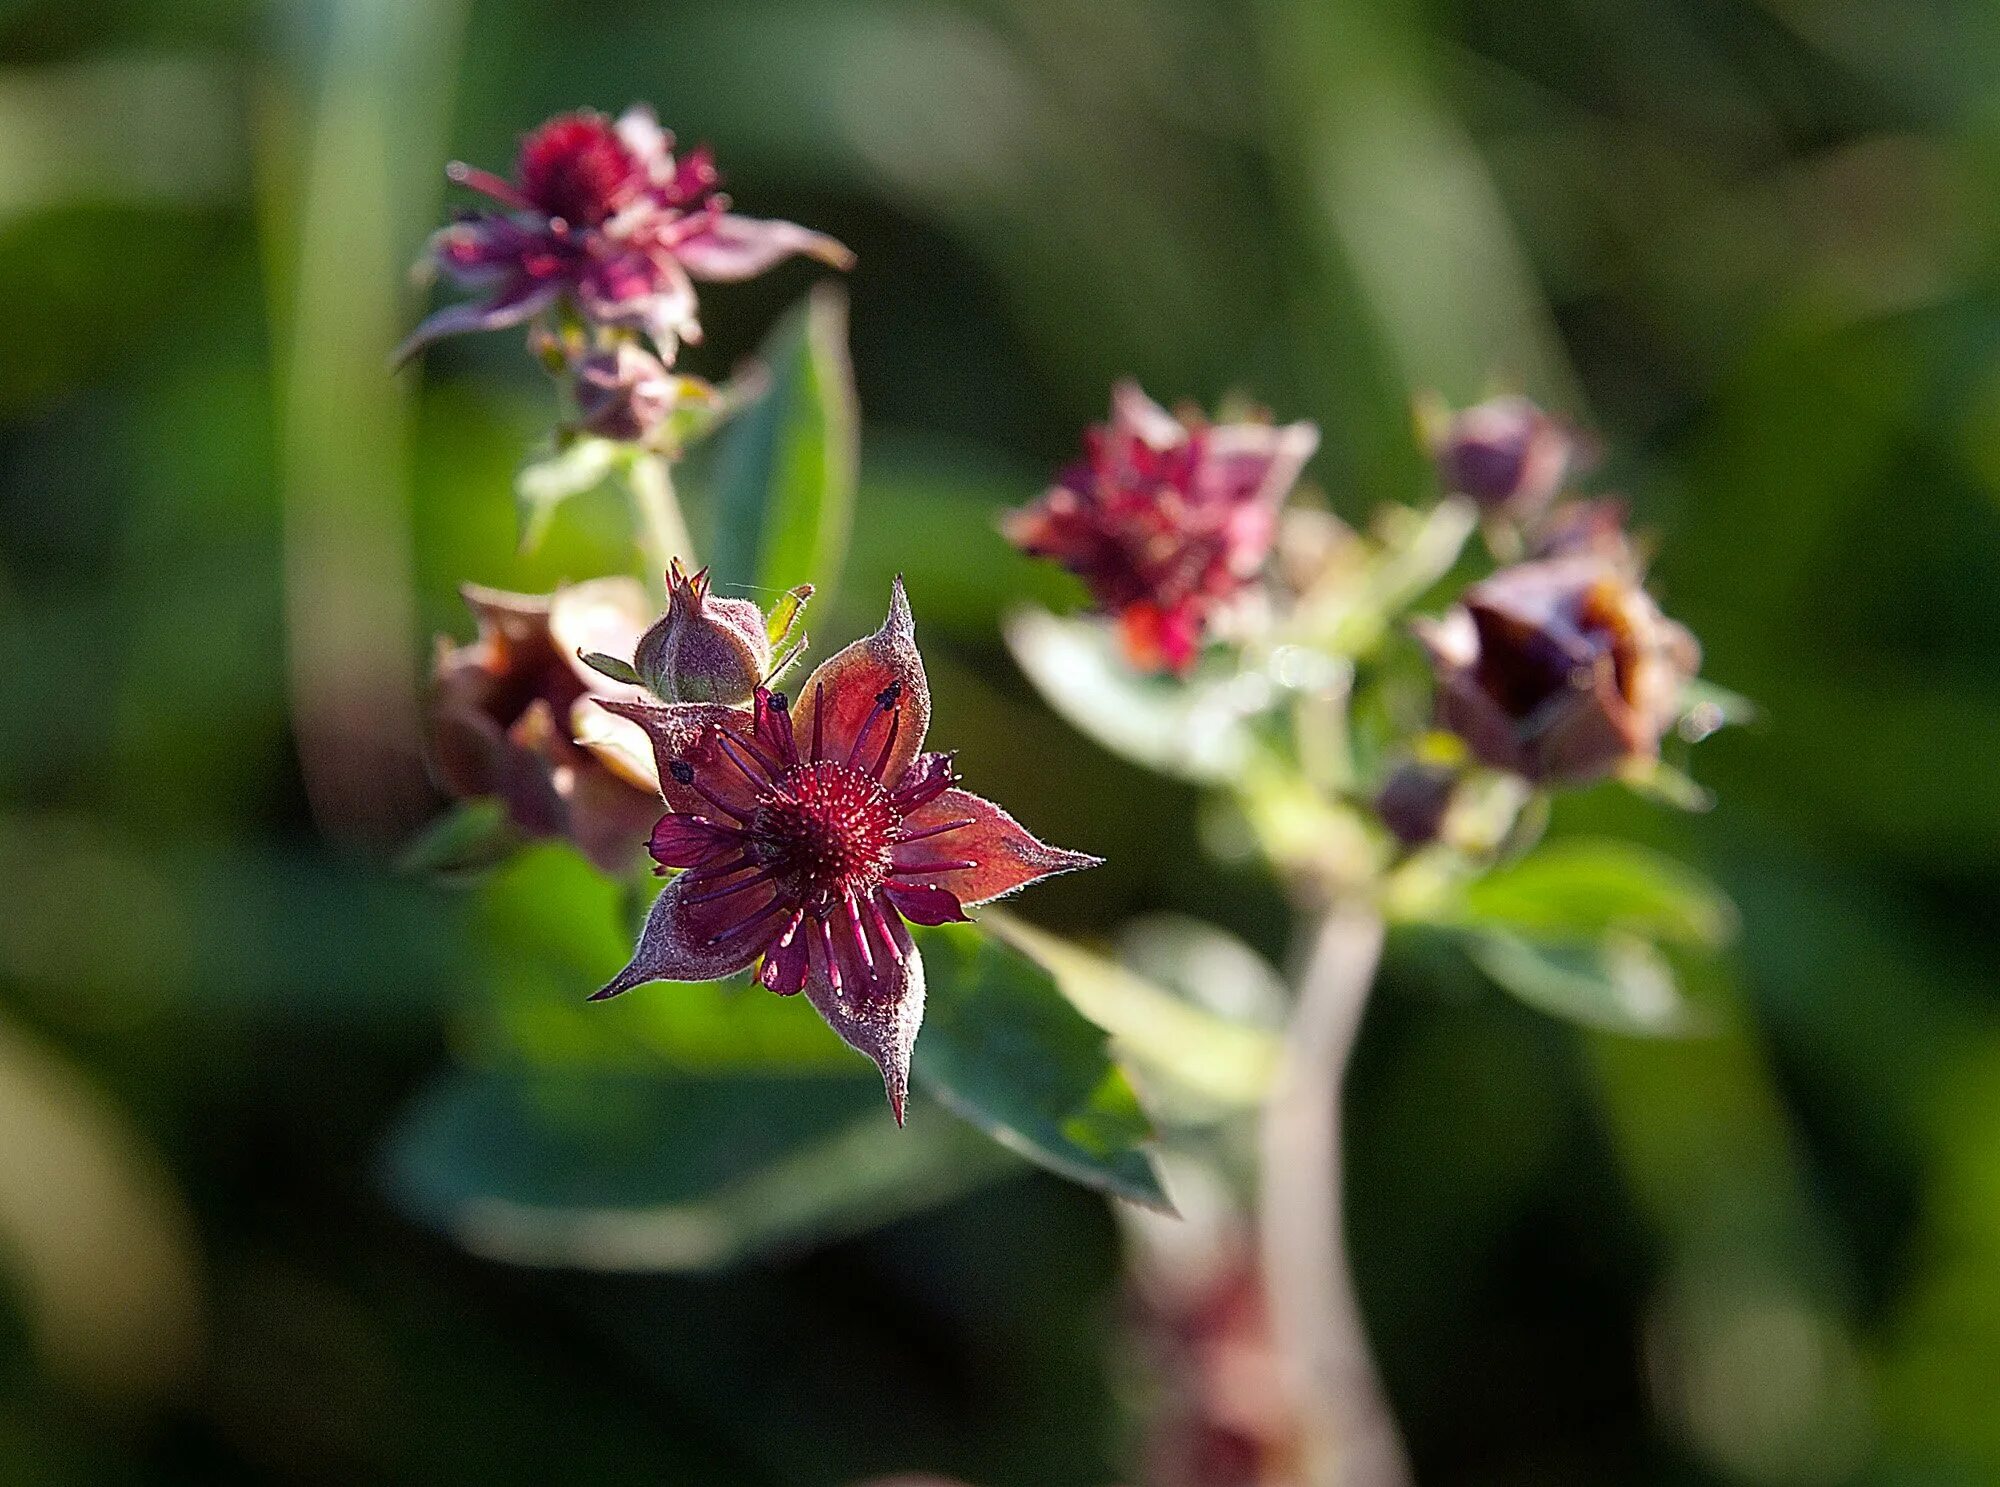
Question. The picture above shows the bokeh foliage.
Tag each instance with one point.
(1754, 243)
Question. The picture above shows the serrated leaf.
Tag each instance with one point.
(789, 462)
(1003, 1048)
(1193, 730)
(545, 483)
(640, 1172)
(1618, 983)
(1585, 888)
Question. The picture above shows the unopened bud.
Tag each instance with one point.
(623, 393)
(1506, 454)
(1414, 801)
(707, 649)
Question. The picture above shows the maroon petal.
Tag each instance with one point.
(876, 1010)
(988, 855)
(682, 733)
(922, 905)
(687, 841)
(513, 305)
(840, 697)
(684, 942)
(729, 247)
(786, 961)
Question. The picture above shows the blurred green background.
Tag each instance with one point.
(1756, 243)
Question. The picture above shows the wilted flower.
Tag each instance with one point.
(1166, 521)
(810, 835)
(1506, 454)
(707, 649)
(507, 709)
(1560, 670)
(624, 392)
(600, 215)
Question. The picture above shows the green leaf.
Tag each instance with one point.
(1618, 983)
(471, 836)
(789, 463)
(612, 1171)
(611, 666)
(1223, 1061)
(579, 466)
(1584, 888)
(1002, 1047)
(1194, 730)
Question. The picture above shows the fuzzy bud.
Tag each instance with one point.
(1506, 454)
(623, 393)
(707, 649)
(1414, 801)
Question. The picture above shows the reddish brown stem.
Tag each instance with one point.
(1348, 1433)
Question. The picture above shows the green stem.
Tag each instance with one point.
(658, 526)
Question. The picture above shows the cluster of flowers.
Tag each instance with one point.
(1558, 668)
(804, 838)
(806, 831)
(600, 237)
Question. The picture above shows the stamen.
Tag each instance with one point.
(887, 700)
(819, 719)
(884, 929)
(708, 872)
(730, 745)
(930, 831)
(683, 773)
(853, 912)
(487, 184)
(762, 875)
(774, 710)
(826, 945)
(776, 905)
(888, 744)
(917, 870)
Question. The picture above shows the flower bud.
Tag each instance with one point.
(623, 393)
(1506, 454)
(1561, 671)
(707, 649)
(1414, 801)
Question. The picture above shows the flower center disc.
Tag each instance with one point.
(828, 828)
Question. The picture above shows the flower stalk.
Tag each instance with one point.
(658, 526)
(1348, 1433)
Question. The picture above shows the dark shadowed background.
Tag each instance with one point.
(1754, 243)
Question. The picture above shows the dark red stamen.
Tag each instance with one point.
(819, 720)
(917, 870)
(743, 927)
(931, 831)
(712, 894)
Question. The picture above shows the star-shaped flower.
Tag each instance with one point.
(812, 836)
(601, 216)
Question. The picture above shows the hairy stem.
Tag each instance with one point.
(1348, 1433)
(658, 525)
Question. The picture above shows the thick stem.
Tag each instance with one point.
(1348, 1434)
(658, 525)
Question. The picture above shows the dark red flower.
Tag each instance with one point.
(599, 214)
(810, 835)
(506, 712)
(1560, 670)
(1166, 521)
